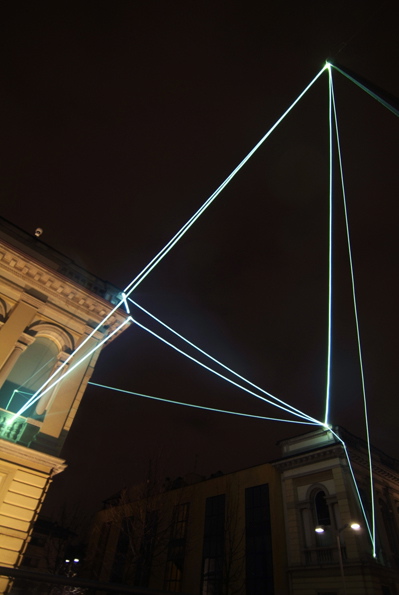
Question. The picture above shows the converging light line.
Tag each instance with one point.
(219, 362)
(162, 253)
(354, 300)
(372, 538)
(379, 95)
(330, 192)
(213, 409)
(304, 416)
(40, 392)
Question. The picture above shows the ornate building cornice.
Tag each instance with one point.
(309, 457)
(379, 469)
(31, 458)
(22, 270)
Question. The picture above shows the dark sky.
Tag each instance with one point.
(118, 120)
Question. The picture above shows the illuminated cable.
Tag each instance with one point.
(124, 298)
(371, 535)
(213, 409)
(329, 323)
(217, 361)
(151, 265)
(14, 392)
(379, 95)
(225, 377)
(35, 374)
(162, 253)
(354, 299)
(39, 393)
(58, 371)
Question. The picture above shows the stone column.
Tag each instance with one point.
(19, 348)
(47, 398)
(67, 391)
(10, 363)
(21, 316)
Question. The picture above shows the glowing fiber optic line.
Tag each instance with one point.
(172, 402)
(162, 253)
(14, 392)
(217, 361)
(372, 94)
(68, 359)
(329, 323)
(150, 266)
(34, 374)
(40, 392)
(125, 303)
(225, 377)
(356, 318)
(357, 491)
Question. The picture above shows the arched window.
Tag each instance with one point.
(322, 511)
(31, 370)
(321, 517)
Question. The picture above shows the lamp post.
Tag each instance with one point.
(337, 533)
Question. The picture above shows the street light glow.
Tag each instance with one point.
(355, 526)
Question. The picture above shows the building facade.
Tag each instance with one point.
(319, 492)
(253, 532)
(224, 535)
(48, 308)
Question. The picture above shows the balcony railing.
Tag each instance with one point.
(21, 430)
(323, 555)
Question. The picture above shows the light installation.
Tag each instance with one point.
(194, 406)
(269, 398)
(58, 374)
(289, 408)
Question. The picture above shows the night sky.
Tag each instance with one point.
(118, 120)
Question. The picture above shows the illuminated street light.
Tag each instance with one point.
(337, 532)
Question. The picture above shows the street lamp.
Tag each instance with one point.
(337, 532)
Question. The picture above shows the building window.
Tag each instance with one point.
(119, 565)
(258, 540)
(176, 548)
(322, 517)
(321, 509)
(31, 370)
(213, 546)
(391, 541)
(100, 558)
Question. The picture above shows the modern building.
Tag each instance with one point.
(49, 307)
(224, 535)
(253, 532)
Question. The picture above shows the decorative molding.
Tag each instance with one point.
(55, 286)
(306, 458)
(3, 309)
(31, 458)
(379, 469)
(56, 333)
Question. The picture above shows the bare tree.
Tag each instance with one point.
(133, 532)
(234, 547)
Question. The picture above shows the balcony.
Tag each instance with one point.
(21, 430)
(318, 556)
